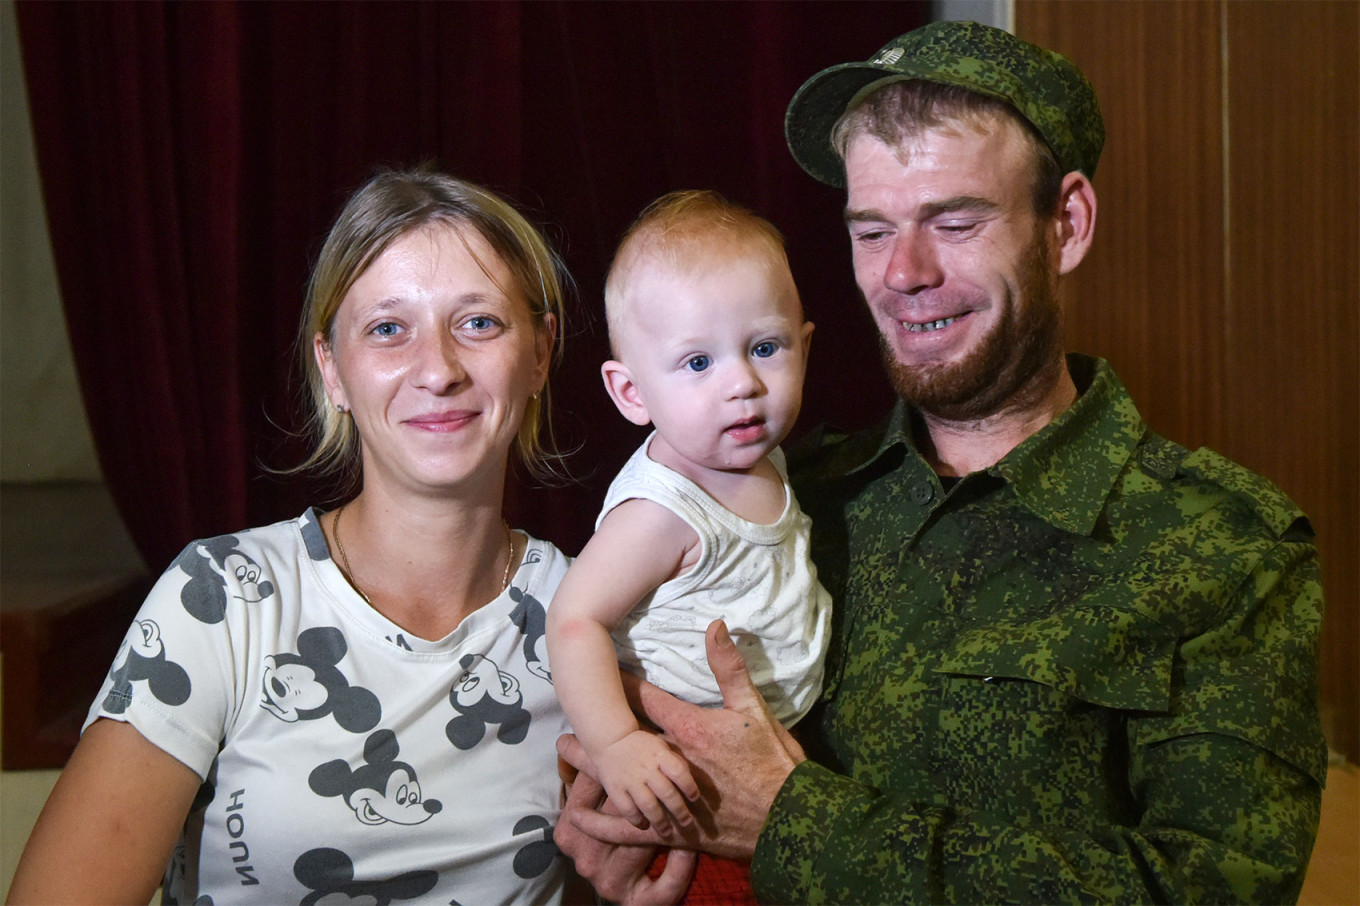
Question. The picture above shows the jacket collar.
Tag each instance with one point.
(1064, 472)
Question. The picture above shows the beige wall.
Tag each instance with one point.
(43, 435)
(22, 794)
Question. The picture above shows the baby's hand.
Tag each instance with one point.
(646, 780)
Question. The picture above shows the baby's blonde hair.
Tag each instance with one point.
(684, 231)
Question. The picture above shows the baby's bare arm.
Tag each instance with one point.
(638, 546)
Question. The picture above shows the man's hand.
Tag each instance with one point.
(740, 755)
(618, 873)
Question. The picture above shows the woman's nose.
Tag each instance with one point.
(439, 366)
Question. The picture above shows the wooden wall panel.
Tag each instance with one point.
(1293, 108)
(1223, 282)
(1149, 295)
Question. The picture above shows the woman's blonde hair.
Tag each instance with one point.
(390, 205)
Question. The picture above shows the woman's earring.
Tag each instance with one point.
(340, 407)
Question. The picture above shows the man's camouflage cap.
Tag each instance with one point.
(1044, 87)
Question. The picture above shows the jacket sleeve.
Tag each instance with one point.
(1225, 786)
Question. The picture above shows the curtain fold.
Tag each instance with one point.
(192, 156)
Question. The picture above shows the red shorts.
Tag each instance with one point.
(717, 881)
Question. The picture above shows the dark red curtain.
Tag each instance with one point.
(193, 154)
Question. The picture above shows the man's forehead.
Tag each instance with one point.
(939, 162)
(988, 131)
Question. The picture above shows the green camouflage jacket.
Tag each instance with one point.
(1086, 674)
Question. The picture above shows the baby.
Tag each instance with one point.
(710, 348)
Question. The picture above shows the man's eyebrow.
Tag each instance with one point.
(971, 203)
(870, 216)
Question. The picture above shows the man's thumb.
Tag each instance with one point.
(729, 669)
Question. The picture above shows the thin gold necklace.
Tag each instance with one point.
(349, 573)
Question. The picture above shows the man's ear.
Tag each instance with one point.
(624, 392)
(1076, 221)
(325, 362)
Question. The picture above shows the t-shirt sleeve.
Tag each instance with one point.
(173, 677)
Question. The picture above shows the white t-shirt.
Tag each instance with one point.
(343, 759)
(758, 578)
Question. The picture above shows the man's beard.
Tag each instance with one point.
(1000, 373)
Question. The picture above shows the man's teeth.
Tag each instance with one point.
(930, 325)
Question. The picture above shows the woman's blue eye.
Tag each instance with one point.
(764, 350)
(698, 363)
(480, 322)
(386, 329)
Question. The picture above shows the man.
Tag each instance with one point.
(1071, 660)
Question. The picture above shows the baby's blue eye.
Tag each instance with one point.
(764, 350)
(698, 363)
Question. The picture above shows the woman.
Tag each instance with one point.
(353, 703)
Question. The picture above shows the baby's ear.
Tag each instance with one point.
(624, 392)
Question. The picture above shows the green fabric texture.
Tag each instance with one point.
(1044, 87)
(1087, 674)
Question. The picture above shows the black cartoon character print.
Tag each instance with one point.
(329, 872)
(213, 567)
(143, 658)
(167, 899)
(308, 686)
(380, 791)
(535, 856)
(532, 619)
(483, 695)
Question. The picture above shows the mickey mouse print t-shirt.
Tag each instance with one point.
(343, 759)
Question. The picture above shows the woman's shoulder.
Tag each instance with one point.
(545, 562)
(300, 535)
(251, 559)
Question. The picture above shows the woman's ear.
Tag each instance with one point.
(325, 362)
(544, 342)
(625, 393)
(1076, 220)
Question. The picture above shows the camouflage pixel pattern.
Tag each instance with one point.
(1087, 674)
(1042, 86)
